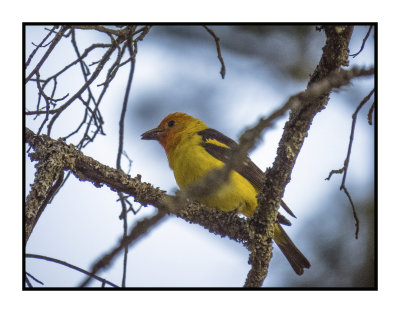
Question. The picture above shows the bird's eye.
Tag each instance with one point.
(171, 123)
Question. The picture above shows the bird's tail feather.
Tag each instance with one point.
(296, 259)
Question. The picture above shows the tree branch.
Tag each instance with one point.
(295, 132)
(87, 169)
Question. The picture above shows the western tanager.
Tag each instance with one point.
(193, 149)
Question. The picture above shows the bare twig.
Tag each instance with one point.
(363, 43)
(33, 277)
(55, 41)
(125, 234)
(124, 106)
(76, 268)
(97, 71)
(76, 61)
(40, 45)
(129, 161)
(119, 154)
(211, 32)
(370, 113)
(92, 117)
(42, 94)
(347, 161)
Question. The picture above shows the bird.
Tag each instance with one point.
(193, 150)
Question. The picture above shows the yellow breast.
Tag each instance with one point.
(190, 162)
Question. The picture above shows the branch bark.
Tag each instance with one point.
(335, 55)
(87, 169)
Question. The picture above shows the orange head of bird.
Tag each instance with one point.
(171, 129)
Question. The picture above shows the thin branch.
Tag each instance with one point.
(27, 281)
(129, 161)
(345, 167)
(42, 94)
(125, 234)
(371, 112)
(78, 60)
(52, 111)
(119, 154)
(114, 67)
(353, 126)
(211, 32)
(55, 41)
(363, 43)
(97, 71)
(125, 34)
(76, 268)
(40, 45)
(123, 110)
(34, 278)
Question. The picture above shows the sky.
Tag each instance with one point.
(81, 223)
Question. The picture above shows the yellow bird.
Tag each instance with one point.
(193, 149)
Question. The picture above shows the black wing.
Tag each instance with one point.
(247, 169)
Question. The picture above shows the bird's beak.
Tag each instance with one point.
(152, 134)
